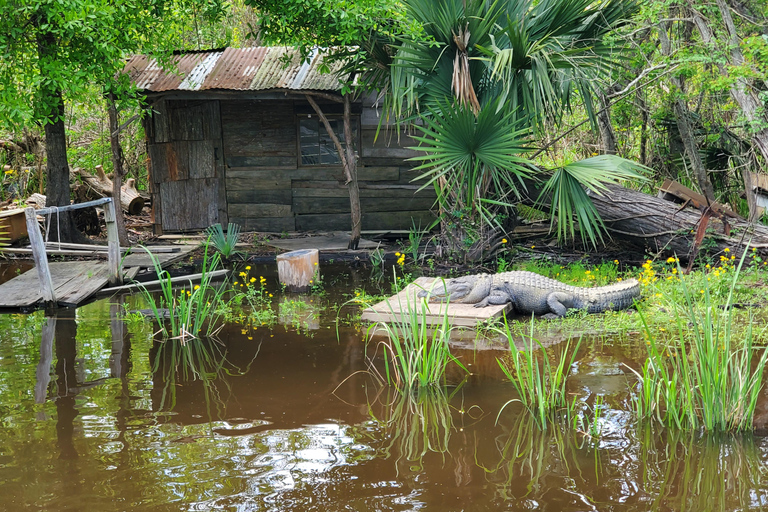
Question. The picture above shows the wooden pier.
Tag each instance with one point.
(459, 315)
(70, 283)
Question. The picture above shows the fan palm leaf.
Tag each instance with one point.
(568, 191)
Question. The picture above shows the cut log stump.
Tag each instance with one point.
(130, 200)
(297, 269)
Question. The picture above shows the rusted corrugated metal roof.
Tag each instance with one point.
(257, 69)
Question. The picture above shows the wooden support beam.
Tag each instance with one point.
(60, 209)
(113, 244)
(38, 254)
(151, 284)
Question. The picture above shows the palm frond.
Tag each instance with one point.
(570, 205)
(468, 155)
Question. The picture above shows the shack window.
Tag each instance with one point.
(317, 148)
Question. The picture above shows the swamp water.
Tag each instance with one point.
(96, 416)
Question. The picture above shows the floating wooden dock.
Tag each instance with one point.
(76, 281)
(72, 282)
(460, 315)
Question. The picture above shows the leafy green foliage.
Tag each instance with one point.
(706, 378)
(225, 243)
(523, 61)
(191, 311)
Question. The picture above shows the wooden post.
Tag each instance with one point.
(113, 244)
(38, 254)
(297, 269)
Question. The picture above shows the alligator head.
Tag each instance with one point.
(461, 290)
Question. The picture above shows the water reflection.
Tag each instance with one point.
(96, 416)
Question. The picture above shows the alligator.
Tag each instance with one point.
(531, 293)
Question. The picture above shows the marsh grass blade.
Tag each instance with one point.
(416, 354)
(540, 385)
(703, 378)
(192, 311)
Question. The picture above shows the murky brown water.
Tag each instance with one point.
(97, 417)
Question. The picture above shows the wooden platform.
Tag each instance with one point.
(139, 257)
(76, 281)
(336, 241)
(461, 315)
(73, 282)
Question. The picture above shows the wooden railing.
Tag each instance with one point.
(38, 245)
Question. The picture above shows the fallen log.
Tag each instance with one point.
(665, 228)
(130, 200)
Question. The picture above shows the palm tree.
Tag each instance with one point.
(482, 79)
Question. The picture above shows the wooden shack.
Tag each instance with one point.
(232, 138)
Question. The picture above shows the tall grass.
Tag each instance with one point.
(416, 354)
(703, 377)
(540, 385)
(192, 310)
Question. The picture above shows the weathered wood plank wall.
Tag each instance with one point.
(257, 179)
(186, 165)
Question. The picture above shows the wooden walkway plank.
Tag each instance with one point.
(460, 315)
(139, 257)
(73, 282)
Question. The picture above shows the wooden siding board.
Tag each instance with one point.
(259, 210)
(269, 224)
(271, 182)
(371, 221)
(386, 147)
(308, 205)
(259, 196)
(202, 163)
(259, 161)
(189, 204)
(255, 131)
(319, 193)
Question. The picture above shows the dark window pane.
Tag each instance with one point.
(317, 147)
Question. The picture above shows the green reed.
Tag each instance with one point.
(540, 385)
(416, 354)
(703, 377)
(192, 310)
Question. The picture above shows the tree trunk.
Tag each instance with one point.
(682, 115)
(117, 164)
(130, 200)
(741, 91)
(352, 185)
(643, 127)
(349, 163)
(663, 228)
(57, 179)
(607, 136)
(57, 169)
